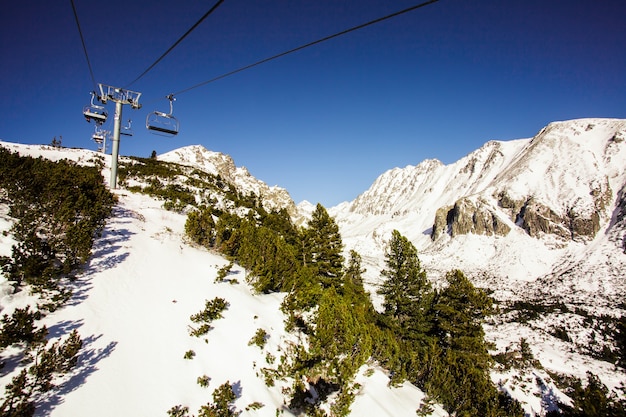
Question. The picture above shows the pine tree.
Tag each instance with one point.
(341, 341)
(407, 291)
(200, 227)
(322, 246)
(20, 327)
(353, 276)
(592, 400)
(460, 310)
(17, 401)
(460, 377)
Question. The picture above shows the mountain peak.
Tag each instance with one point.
(217, 163)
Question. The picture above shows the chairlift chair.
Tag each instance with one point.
(163, 124)
(99, 136)
(95, 112)
(127, 130)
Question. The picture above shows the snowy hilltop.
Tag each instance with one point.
(538, 223)
(217, 163)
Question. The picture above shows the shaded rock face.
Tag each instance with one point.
(468, 217)
(537, 219)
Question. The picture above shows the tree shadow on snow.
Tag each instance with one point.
(108, 251)
(549, 398)
(63, 328)
(88, 360)
(10, 361)
(14, 358)
(237, 389)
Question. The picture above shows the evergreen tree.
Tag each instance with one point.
(322, 246)
(200, 227)
(20, 328)
(460, 310)
(460, 378)
(407, 291)
(592, 400)
(227, 235)
(341, 341)
(353, 276)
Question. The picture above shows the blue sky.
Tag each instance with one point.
(326, 121)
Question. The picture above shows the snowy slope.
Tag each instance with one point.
(132, 308)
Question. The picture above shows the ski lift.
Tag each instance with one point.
(95, 112)
(99, 136)
(127, 130)
(163, 124)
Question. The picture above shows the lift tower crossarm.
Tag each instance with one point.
(119, 96)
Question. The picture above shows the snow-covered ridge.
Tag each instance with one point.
(542, 205)
(217, 163)
(557, 167)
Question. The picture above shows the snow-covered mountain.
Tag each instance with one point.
(540, 220)
(217, 163)
(519, 210)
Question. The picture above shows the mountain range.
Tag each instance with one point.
(539, 222)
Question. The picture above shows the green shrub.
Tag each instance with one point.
(212, 311)
(259, 339)
(203, 381)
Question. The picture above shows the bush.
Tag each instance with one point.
(20, 328)
(57, 359)
(60, 208)
(259, 338)
(212, 311)
(203, 381)
(222, 406)
(223, 272)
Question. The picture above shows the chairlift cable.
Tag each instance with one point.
(215, 6)
(324, 39)
(93, 79)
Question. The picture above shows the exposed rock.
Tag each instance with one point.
(467, 217)
(441, 222)
(536, 218)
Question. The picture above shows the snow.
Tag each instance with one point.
(131, 306)
(133, 302)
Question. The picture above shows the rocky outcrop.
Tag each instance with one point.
(466, 217)
(537, 219)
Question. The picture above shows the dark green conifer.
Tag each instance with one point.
(322, 247)
(407, 291)
(200, 227)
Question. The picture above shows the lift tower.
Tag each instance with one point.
(119, 96)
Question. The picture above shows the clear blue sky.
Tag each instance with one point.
(323, 122)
